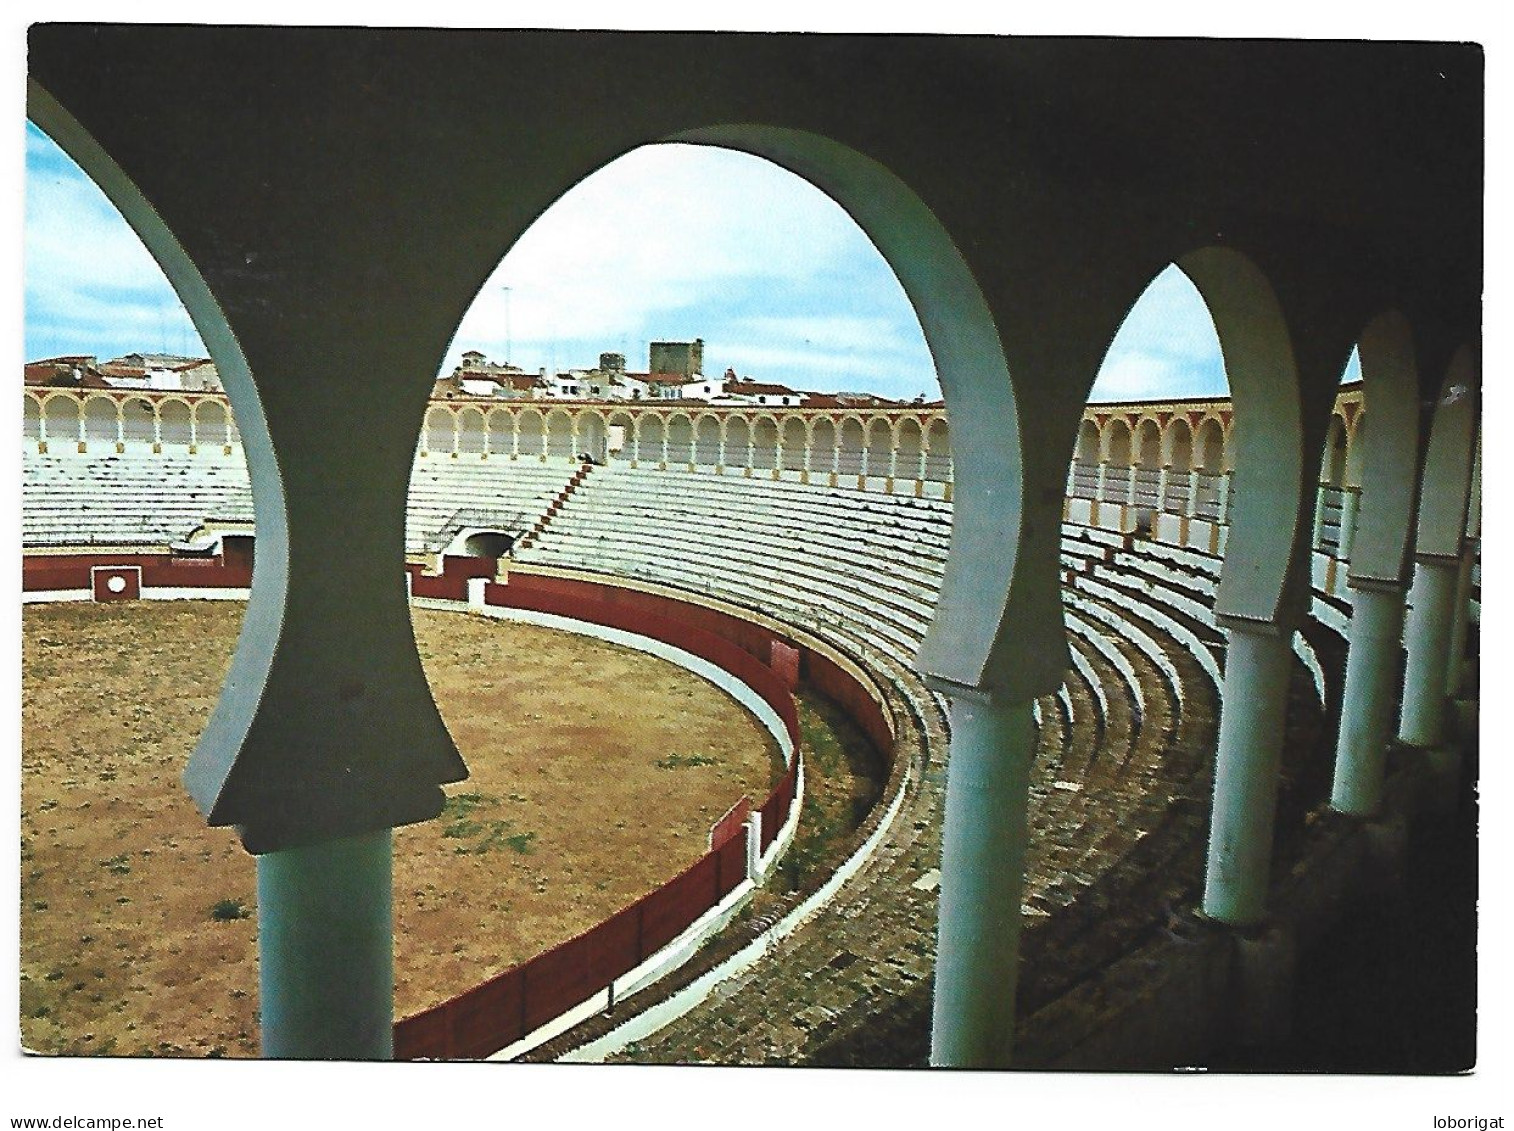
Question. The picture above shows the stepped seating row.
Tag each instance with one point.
(887, 521)
(815, 554)
(503, 491)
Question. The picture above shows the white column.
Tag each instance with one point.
(1460, 612)
(754, 846)
(1427, 638)
(1253, 711)
(1372, 662)
(1193, 494)
(1162, 476)
(326, 950)
(476, 587)
(1103, 482)
(1224, 507)
(982, 876)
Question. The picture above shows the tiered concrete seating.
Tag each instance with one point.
(127, 499)
(447, 493)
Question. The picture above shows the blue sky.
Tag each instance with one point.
(668, 242)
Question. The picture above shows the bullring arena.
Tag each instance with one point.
(1129, 714)
(789, 525)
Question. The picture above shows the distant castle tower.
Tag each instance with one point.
(683, 358)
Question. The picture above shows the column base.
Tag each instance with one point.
(1266, 961)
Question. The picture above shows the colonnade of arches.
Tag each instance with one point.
(1021, 260)
(126, 422)
(899, 445)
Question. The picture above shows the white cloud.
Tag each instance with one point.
(678, 241)
(90, 284)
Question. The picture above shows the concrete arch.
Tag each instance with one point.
(531, 430)
(708, 431)
(1210, 448)
(938, 447)
(175, 422)
(284, 694)
(738, 440)
(440, 430)
(764, 442)
(1445, 489)
(471, 430)
(1146, 442)
(1177, 444)
(31, 419)
(964, 641)
(823, 449)
(880, 445)
(851, 439)
(139, 423)
(589, 427)
(793, 441)
(909, 439)
(1259, 573)
(102, 420)
(649, 437)
(1087, 449)
(1118, 443)
(620, 438)
(680, 434)
(63, 418)
(212, 424)
(558, 428)
(499, 431)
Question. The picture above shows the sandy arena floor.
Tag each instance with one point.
(133, 935)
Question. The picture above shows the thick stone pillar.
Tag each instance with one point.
(1427, 639)
(1190, 509)
(1460, 613)
(326, 950)
(982, 876)
(1162, 477)
(1102, 483)
(1252, 716)
(1372, 663)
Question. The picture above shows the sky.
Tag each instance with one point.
(669, 242)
